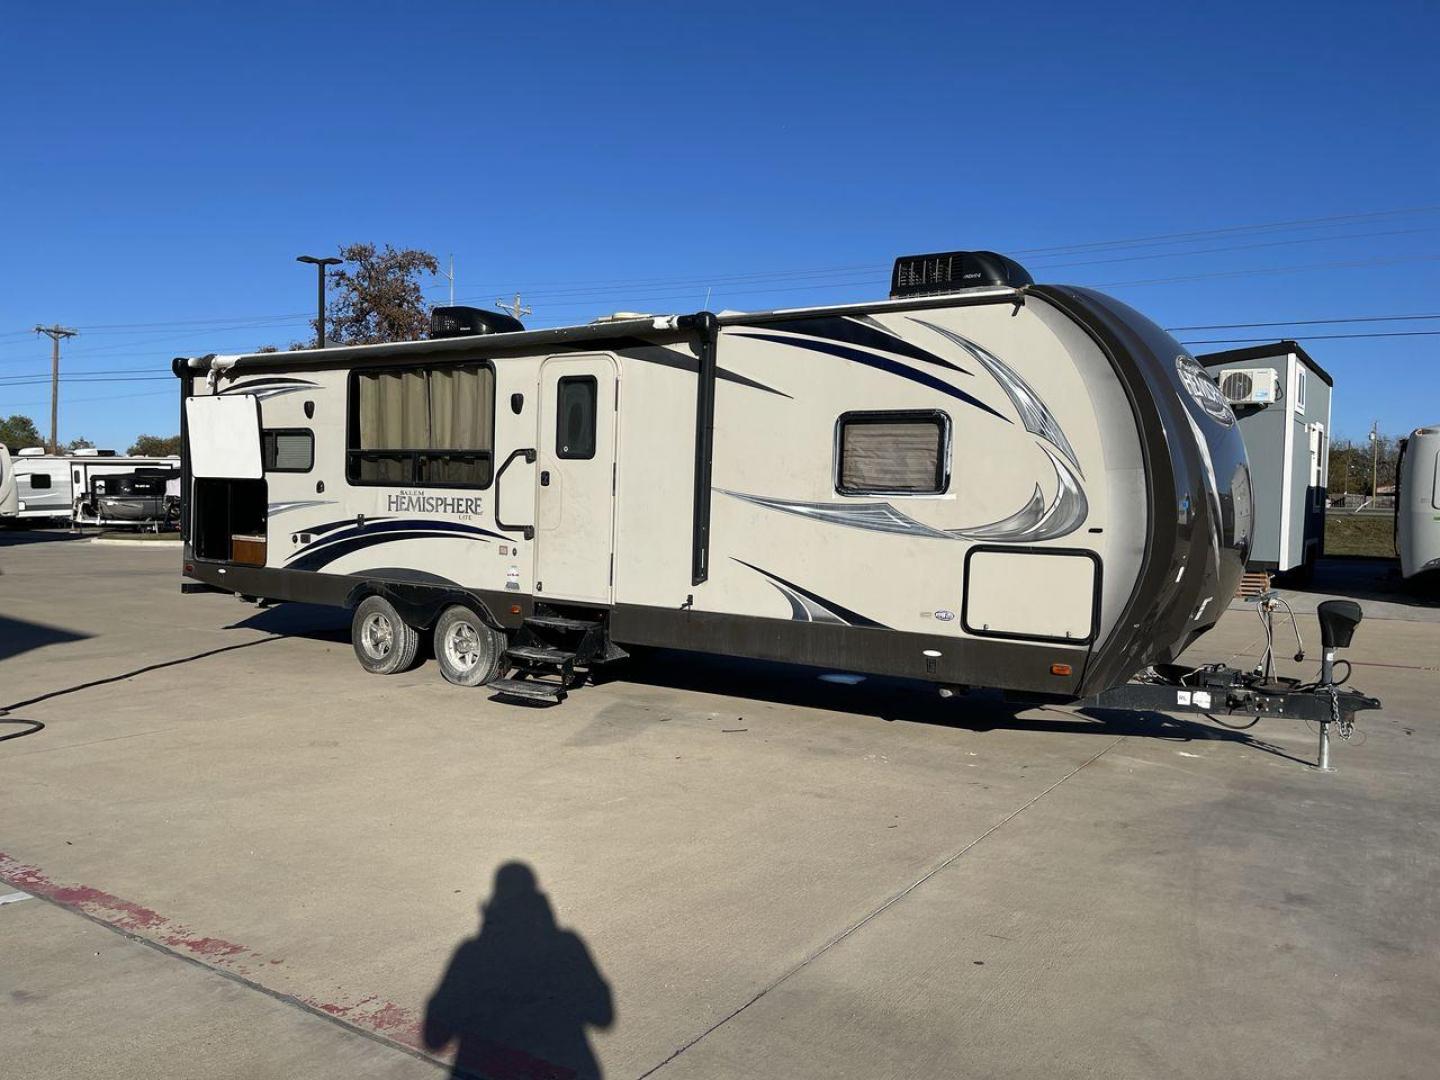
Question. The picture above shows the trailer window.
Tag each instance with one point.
(892, 453)
(39, 481)
(424, 426)
(575, 400)
(287, 450)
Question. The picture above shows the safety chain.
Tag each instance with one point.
(1345, 726)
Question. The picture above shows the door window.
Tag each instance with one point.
(575, 403)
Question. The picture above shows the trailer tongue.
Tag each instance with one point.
(1218, 689)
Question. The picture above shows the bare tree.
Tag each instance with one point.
(377, 295)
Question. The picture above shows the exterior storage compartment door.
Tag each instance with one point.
(224, 436)
(1038, 594)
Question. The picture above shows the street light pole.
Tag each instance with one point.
(320, 265)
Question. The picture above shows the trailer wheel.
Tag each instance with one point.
(468, 651)
(384, 643)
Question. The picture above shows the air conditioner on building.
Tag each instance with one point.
(1250, 386)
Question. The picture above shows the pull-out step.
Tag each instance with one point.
(529, 689)
(560, 622)
(545, 654)
(538, 654)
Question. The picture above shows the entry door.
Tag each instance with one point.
(575, 477)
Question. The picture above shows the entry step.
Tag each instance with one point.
(560, 622)
(538, 654)
(528, 688)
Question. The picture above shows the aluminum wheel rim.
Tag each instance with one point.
(377, 636)
(462, 646)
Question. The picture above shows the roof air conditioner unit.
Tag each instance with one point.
(1250, 386)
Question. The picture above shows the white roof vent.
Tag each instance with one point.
(32, 451)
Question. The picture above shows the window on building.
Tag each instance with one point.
(1302, 377)
(287, 450)
(575, 403)
(892, 453)
(1319, 454)
(430, 426)
(39, 481)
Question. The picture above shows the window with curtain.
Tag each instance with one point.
(287, 450)
(892, 453)
(431, 426)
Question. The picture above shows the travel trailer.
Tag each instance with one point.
(1281, 398)
(144, 498)
(1417, 504)
(50, 485)
(978, 482)
(9, 499)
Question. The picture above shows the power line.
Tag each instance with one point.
(1269, 270)
(1301, 322)
(1316, 337)
(1237, 247)
(1203, 233)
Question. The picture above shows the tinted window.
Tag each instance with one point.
(288, 451)
(431, 426)
(39, 481)
(901, 453)
(575, 398)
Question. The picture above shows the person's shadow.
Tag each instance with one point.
(517, 998)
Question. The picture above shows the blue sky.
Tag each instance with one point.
(162, 164)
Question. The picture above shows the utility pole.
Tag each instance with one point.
(1374, 460)
(451, 276)
(514, 308)
(55, 333)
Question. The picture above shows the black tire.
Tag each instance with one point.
(384, 643)
(467, 648)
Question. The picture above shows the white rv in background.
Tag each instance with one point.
(51, 485)
(8, 497)
(1417, 503)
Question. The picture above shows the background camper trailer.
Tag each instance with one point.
(1281, 398)
(978, 482)
(52, 485)
(9, 499)
(1417, 504)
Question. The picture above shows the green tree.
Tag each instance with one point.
(155, 446)
(79, 443)
(19, 431)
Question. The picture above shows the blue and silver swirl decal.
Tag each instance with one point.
(806, 606)
(875, 360)
(346, 541)
(875, 516)
(299, 504)
(269, 387)
(1033, 522)
(1034, 413)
